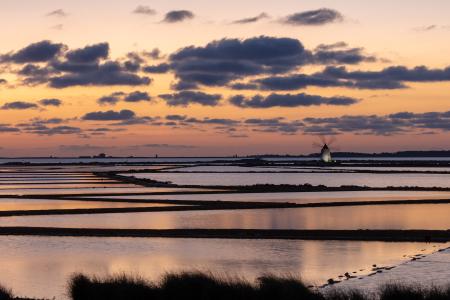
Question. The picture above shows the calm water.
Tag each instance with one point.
(40, 266)
(327, 179)
(64, 186)
(93, 190)
(198, 159)
(313, 197)
(222, 168)
(363, 217)
(35, 204)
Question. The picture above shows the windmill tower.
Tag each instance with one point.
(325, 154)
(325, 151)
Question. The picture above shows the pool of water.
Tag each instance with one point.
(53, 185)
(327, 179)
(41, 266)
(93, 190)
(427, 216)
(313, 197)
(38, 204)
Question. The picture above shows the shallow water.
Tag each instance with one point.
(53, 185)
(40, 266)
(357, 217)
(313, 197)
(45, 190)
(327, 179)
(38, 204)
(291, 168)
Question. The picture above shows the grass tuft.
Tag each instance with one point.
(5, 294)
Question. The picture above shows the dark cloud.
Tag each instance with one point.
(37, 124)
(314, 17)
(176, 16)
(252, 19)
(395, 73)
(176, 117)
(59, 67)
(289, 100)
(404, 122)
(110, 99)
(244, 86)
(137, 96)
(340, 53)
(89, 54)
(220, 62)
(185, 98)
(8, 128)
(53, 126)
(297, 81)
(389, 78)
(57, 130)
(154, 54)
(109, 115)
(37, 52)
(50, 102)
(115, 97)
(159, 69)
(19, 105)
(274, 125)
(137, 121)
(109, 73)
(34, 74)
(144, 10)
(57, 13)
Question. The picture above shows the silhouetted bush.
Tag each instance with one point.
(203, 286)
(5, 294)
(82, 287)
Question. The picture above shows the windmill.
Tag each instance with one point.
(325, 152)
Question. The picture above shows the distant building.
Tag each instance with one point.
(325, 154)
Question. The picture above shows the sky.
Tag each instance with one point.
(207, 78)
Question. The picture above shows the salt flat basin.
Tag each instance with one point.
(92, 190)
(310, 197)
(327, 179)
(355, 217)
(55, 180)
(40, 266)
(51, 185)
(293, 168)
(7, 204)
(225, 168)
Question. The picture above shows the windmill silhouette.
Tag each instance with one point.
(325, 146)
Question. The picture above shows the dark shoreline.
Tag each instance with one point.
(436, 236)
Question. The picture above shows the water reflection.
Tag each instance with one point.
(328, 179)
(38, 204)
(40, 266)
(314, 197)
(365, 217)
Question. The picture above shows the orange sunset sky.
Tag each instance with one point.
(213, 78)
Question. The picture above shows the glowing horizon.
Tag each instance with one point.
(374, 75)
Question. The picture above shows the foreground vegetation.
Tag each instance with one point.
(201, 286)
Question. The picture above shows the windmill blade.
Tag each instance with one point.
(323, 139)
(331, 140)
(317, 145)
